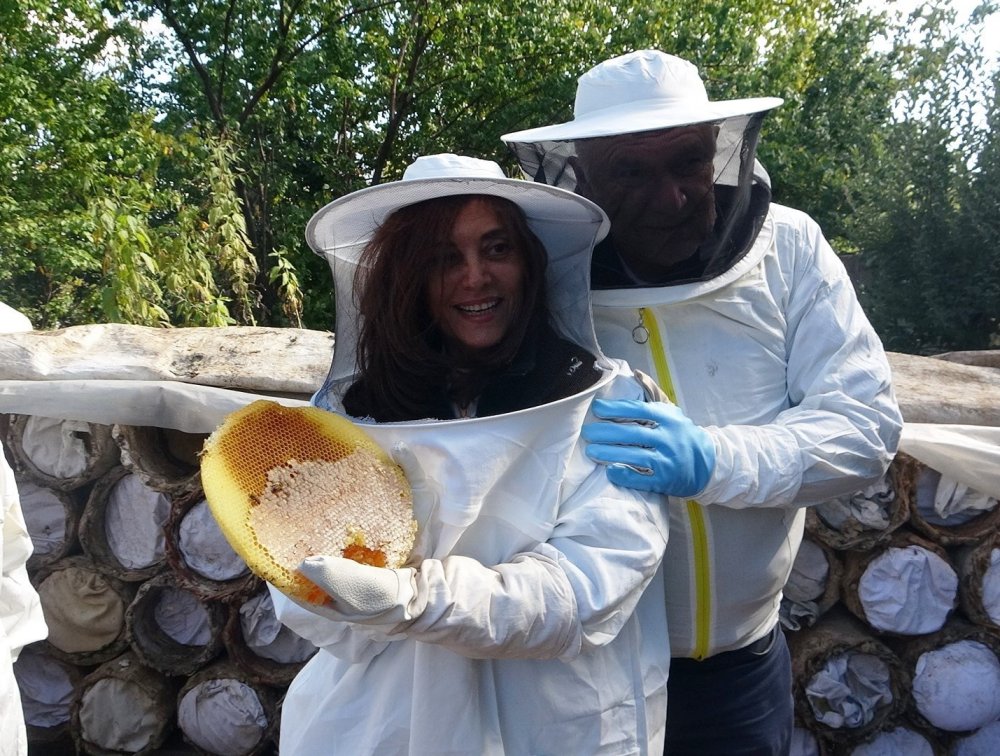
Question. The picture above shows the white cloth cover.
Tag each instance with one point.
(133, 522)
(538, 654)
(908, 590)
(941, 500)
(895, 742)
(849, 690)
(55, 447)
(870, 507)
(46, 689)
(182, 617)
(205, 549)
(776, 359)
(223, 716)
(957, 686)
(165, 404)
(119, 715)
(809, 574)
(991, 587)
(967, 454)
(45, 516)
(983, 742)
(264, 634)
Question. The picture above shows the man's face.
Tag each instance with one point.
(658, 190)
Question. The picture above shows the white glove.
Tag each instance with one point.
(360, 593)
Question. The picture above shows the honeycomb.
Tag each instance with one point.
(285, 483)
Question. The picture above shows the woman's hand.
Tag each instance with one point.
(359, 592)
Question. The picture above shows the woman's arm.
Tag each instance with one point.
(569, 594)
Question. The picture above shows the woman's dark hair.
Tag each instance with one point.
(404, 368)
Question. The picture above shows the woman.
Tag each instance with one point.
(517, 625)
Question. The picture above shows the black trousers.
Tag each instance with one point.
(737, 703)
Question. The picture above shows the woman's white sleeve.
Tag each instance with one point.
(571, 593)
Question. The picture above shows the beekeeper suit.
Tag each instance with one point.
(521, 629)
(21, 620)
(754, 333)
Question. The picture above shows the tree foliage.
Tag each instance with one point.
(168, 153)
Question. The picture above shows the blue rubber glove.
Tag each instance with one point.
(650, 446)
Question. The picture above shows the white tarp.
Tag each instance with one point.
(968, 454)
(186, 407)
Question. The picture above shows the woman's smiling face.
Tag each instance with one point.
(477, 291)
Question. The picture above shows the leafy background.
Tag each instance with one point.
(161, 158)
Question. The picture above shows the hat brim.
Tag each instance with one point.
(349, 221)
(643, 115)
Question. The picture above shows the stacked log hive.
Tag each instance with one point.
(159, 629)
(147, 651)
(888, 610)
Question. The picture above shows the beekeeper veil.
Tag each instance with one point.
(649, 91)
(567, 225)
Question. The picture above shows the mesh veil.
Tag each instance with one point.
(742, 188)
(567, 226)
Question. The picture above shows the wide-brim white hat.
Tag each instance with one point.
(645, 90)
(567, 224)
(349, 221)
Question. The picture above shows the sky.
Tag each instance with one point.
(990, 37)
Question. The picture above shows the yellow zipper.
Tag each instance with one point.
(699, 539)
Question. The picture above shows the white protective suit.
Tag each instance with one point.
(776, 359)
(21, 620)
(532, 567)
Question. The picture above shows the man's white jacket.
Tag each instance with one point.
(776, 359)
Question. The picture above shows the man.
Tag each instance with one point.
(775, 389)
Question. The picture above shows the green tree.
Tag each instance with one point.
(173, 184)
(926, 210)
(91, 225)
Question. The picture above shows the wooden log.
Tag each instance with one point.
(847, 684)
(124, 707)
(52, 518)
(266, 651)
(166, 460)
(988, 358)
(869, 517)
(978, 567)
(48, 687)
(905, 587)
(84, 609)
(937, 391)
(220, 711)
(171, 629)
(60, 454)
(201, 557)
(813, 587)
(955, 676)
(122, 526)
(969, 526)
(240, 357)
